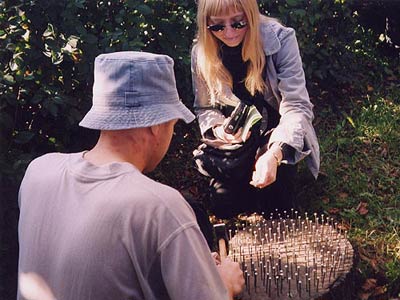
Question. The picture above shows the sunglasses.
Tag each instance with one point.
(220, 27)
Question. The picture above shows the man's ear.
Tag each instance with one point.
(155, 129)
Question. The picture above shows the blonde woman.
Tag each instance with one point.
(241, 55)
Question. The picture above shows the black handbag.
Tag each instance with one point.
(229, 165)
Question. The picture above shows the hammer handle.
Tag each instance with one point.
(222, 249)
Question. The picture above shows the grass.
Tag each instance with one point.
(361, 185)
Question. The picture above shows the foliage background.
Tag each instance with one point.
(47, 50)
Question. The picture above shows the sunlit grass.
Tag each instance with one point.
(360, 155)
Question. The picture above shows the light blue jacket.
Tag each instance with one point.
(286, 92)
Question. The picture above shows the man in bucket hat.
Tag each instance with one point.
(93, 226)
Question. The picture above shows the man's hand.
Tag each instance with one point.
(216, 257)
(232, 276)
(33, 287)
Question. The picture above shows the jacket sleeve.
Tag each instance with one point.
(208, 116)
(295, 107)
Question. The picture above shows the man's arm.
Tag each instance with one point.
(190, 272)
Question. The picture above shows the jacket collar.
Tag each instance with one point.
(270, 40)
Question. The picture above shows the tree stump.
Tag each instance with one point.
(287, 256)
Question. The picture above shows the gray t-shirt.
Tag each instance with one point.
(112, 233)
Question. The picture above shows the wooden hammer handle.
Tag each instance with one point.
(222, 249)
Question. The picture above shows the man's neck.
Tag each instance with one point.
(116, 148)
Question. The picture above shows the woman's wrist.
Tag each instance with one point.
(278, 161)
(276, 152)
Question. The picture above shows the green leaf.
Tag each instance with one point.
(51, 107)
(342, 141)
(6, 120)
(52, 140)
(13, 65)
(29, 77)
(281, 9)
(59, 100)
(36, 99)
(74, 116)
(351, 121)
(144, 9)
(3, 35)
(22, 162)
(79, 3)
(56, 57)
(90, 38)
(73, 41)
(23, 137)
(11, 47)
(9, 79)
(81, 30)
(292, 2)
(131, 3)
(300, 12)
(49, 32)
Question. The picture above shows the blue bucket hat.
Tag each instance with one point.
(134, 89)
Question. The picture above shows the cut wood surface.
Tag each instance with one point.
(291, 257)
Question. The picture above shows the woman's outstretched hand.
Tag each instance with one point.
(266, 167)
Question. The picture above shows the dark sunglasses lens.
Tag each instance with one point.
(217, 27)
(239, 25)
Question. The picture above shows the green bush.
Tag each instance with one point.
(47, 49)
(47, 52)
(338, 53)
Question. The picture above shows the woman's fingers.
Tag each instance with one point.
(265, 171)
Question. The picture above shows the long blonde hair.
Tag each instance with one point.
(209, 63)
